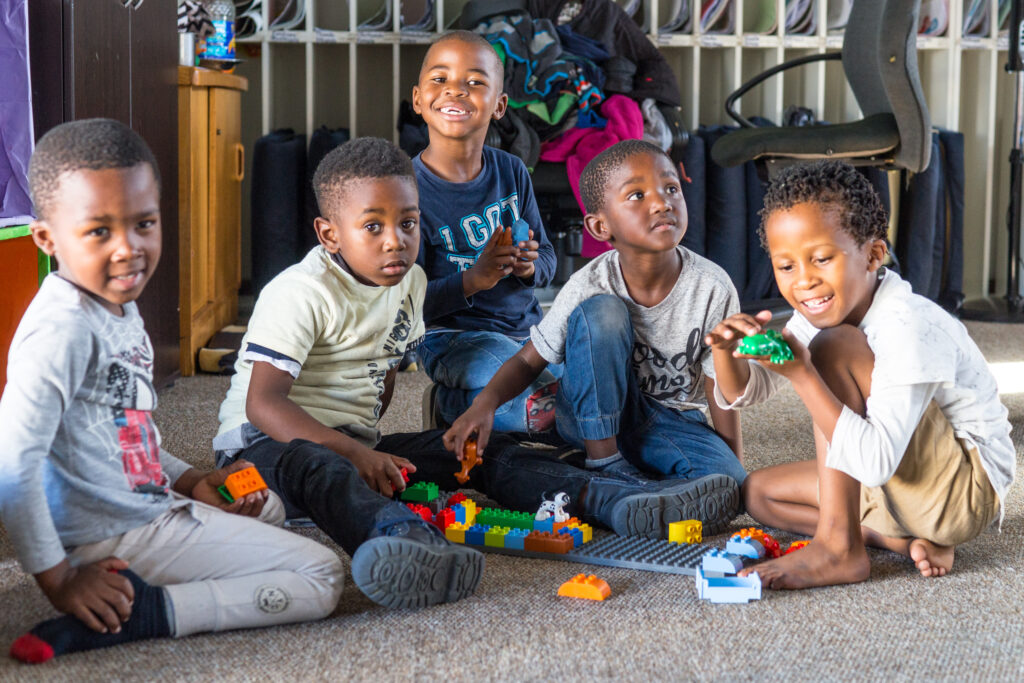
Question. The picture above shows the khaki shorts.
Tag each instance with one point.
(940, 491)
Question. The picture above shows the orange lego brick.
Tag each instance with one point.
(586, 587)
(547, 542)
(244, 482)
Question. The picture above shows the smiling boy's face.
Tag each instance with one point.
(377, 232)
(103, 226)
(644, 209)
(821, 270)
(460, 89)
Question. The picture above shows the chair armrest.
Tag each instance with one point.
(730, 101)
(674, 119)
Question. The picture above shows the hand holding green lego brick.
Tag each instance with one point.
(769, 343)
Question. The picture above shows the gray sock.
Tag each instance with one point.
(601, 463)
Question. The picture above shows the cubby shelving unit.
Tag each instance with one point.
(328, 73)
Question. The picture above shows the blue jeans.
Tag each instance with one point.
(600, 398)
(462, 363)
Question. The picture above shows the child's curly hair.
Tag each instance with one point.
(832, 184)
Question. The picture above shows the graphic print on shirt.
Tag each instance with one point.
(465, 238)
(394, 347)
(672, 379)
(132, 402)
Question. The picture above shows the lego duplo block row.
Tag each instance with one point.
(719, 561)
(686, 531)
(587, 587)
(420, 492)
(728, 588)
(495, 536)
(456, 533)
(241, 483)
(574, 533)
(509, 518)
(745, 546)
(547, 542)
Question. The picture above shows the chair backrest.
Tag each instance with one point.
(880, 62)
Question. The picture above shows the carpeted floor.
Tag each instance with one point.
(895, 626)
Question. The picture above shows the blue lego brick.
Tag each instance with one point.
(723, 589)
(516, 538)
(745, 547)
(544, 525)
(720, 561)
(475, 534)
(577, 535)
(610, 550)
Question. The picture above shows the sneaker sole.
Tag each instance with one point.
(397, 572)
(714, 500)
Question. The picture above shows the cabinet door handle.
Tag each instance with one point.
(239, 161)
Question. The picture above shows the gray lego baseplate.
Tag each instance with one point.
(634, 552)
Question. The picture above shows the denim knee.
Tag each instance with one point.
(604, 313)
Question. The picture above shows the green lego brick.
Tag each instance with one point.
(420, 492)
(495, 536)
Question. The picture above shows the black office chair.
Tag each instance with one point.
(879, 58)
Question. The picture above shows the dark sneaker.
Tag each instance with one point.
(645, 508)
(410, 564)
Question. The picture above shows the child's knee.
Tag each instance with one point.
(601, 317)
(327, 573)
(838, 346)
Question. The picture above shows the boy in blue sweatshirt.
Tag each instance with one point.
(480, 303)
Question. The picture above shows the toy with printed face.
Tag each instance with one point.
(554, 508)
(769, 343)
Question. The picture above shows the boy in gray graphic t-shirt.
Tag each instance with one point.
(630, 329)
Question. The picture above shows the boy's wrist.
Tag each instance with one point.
(50, 580)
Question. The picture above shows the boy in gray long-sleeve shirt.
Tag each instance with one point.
(85, 489)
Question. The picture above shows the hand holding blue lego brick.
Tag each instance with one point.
(522, 239)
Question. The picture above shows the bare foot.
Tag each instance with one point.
(931, 559)
(814, 565)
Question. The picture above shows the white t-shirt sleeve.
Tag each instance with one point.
(870, 449)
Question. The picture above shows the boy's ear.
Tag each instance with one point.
(416, 100)
(326, 233)
(597, 227)
(41, 236)
(500, 107)
(877, 250)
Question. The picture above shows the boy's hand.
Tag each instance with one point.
(493, 263)
(205, 491)
(524, 267)
(382, 472)
(476, 420)
(94, 593)
(727, 334)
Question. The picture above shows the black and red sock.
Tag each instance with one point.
(149, 619)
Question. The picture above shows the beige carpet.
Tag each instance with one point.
(896, 626)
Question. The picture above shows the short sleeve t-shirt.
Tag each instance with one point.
(670, 357)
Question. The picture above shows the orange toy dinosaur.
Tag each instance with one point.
(469, 460)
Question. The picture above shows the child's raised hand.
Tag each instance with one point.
(249, 505)
(494, 262)
(94, 593)
(523, 267)
(727, 334)
(476, 420)
(382, 472)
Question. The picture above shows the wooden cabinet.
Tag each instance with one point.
(211, 162)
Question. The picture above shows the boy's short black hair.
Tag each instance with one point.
(89, 144)
(471, 38)
(354, 160)
(596, 174)
(832, 184)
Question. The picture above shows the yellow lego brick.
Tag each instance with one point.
(686, 531)
(585, 529)
(456, 533)
(470, 512)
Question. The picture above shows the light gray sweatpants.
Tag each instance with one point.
(222, 571)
